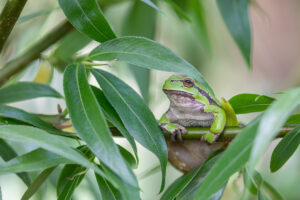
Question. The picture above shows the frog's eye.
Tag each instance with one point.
(188, 82)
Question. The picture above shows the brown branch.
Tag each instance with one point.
(19, 63)
(9, 17)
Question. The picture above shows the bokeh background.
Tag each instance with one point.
(275, 67)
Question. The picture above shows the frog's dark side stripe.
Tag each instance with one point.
(204, 93)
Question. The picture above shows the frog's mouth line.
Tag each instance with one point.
(178, 92)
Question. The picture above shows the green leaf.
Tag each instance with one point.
(151, 4)
(0, 193)
(261, 196)
(107, 190)
(138, 15)
(145, 53)
(136, 116)
(112, 116)
(248, 103)
(20, 115)
(37, 183)
(7, 153)
(187, 183)
(293, 119)
(128, 157)
(235, 15)
(285, 149)
(35, 160)
(34, 15)
(190, 190)
(67, 48)
(272, 191)
(232, 160)
(198, 10)
(87, 17)
(56, 144)
(181, 13)
(21, 91)
(252, 183)
(273, 119)
(71, 176)
(89, 122)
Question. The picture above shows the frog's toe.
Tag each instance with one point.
(210, 137)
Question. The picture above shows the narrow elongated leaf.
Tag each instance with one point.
(35, 160)
(248, 103)
(293, 119)
(151, 4)
(37, 183)
(136, 116)
(285, 149)
(7, 153)
(56, 144)
(178, 189)
(107, 190)
(26, 90)
(253, 183)
(0, 193)
(272, 191)
(271, 122)
(112, 116)
(87, 17)
(199, 21)
(67, 47)
(140, 14)
(89, 122)
(232, 160)
(128, 157)
(71, 176)
(145, 53)
(20, 115)
(235, 15)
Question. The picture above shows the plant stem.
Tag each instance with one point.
(8, 18)
(19, 63)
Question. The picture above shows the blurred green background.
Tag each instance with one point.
(275, 62)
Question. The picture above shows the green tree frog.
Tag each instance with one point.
(191, 104)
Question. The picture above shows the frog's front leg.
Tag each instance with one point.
(218, 124)
(175, 130)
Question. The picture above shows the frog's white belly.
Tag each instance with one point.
(190, 117)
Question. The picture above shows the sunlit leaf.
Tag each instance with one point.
(37, 183)
(45, 73)
(233, 159)
(89, 122)
(7, 153)
(248, 103)
(136, 116)
(145, 53)
(38, 159)
(112, 116)
(285, 149)
(273, 119)
(235, 15)
(87, 17)
(26, 90)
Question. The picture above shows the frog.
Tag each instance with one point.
(193, 105)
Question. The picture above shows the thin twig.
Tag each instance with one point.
(9, 17)
(19, 63)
